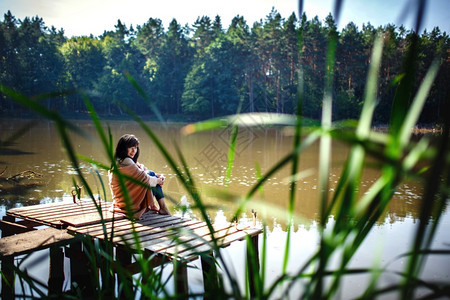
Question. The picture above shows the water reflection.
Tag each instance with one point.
(39, 150)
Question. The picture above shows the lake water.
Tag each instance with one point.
(39, 150)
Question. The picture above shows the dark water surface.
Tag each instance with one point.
(47, 176)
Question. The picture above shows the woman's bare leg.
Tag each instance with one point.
(163, 210)
(152, 202)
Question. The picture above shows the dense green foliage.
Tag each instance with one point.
(207, 71)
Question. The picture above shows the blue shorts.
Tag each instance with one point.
(157, 190)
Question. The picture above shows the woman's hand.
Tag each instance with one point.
(142, 167)
(161, 179)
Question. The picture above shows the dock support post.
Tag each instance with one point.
(7, 278)
(124, 280)
(104, 265)
(209, 270)
(181, 278)
(253, 265)
(7, 266)
(56, 271)
(79, 269)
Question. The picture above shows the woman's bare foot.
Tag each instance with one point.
(153, 207)
(163, 210)
(153, 210)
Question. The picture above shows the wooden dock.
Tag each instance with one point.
(62, 226)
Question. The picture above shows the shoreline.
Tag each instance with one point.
(381, 128)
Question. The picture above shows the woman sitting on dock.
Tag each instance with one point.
(126, 155)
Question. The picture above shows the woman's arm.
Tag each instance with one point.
(140, 172)
(141, 166)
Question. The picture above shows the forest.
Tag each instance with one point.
(200, 71)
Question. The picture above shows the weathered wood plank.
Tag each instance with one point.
(52, 208)
(125, 235)
(160, 236)
(57, 215)
(32, 241)
(62, 211)
(37, 207)
(197, 246)
(51, 215)
(160, 230)
(98, 228)
(90, 218)
(119, 225)
(124, 226)
(189, 240)
(193, 242)
(56, 206)
(14, 228)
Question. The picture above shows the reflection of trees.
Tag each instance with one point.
(9, 151)
(6, 150)
(406, 203)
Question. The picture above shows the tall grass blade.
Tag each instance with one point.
(244, 119)
(325, 157)
(418, 102)
(231, 154)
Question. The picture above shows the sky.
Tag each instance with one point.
(85, 17)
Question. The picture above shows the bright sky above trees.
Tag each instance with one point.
(84, 17)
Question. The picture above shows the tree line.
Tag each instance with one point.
(205, 71)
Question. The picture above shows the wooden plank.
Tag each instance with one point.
(225, 238)
(32, 241)
(162, 245)
(49, 207)
(14, 228)
(51, 215)
(162, 235)
(22, 209)
(33, 210)
(123, 227)
(158, 234)
(143, 231)
(194, 234)
(119, 225)
(90, 218)
(97, 229)
(124, 234)
(191, 243)
(55, 212)
(27, 223)
(159, 230)
(56, 216)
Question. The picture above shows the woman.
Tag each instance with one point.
(126, 155)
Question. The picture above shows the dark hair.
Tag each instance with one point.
(125, 142)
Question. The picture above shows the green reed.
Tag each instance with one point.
(397, 157)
